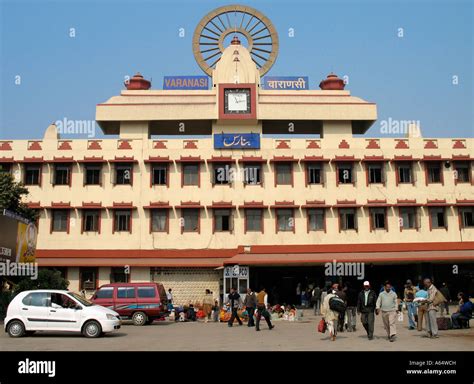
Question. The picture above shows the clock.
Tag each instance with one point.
(237, 101)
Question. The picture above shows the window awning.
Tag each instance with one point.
(405, 158)
(158, 159)
(437, 203)
(190, 159)
(158, 205)
(123, 159)
(284, 204)
(221, 159)
(375, 158)
(347, 204)
(315, 159)
(92, 159)
(253, 204)
(377, 203)
(59, 205)
(5, 160)
(90, 205)
(190, 204)
(464, 203)
(316, 204)
(221, 204)
(122, 205)
(32, 160)
(345, 159)
(407, 203)
(252, 159)
(61, 160)
(283, 159)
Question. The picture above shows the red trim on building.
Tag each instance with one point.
(464, 203)
(189, 204)
(34, 205)
(90, 205)
(435, 158)
(124, 159)
(377, 203)
(407, 203)
(374, 158)
(405, 158)
(7, 160)
(61, 160)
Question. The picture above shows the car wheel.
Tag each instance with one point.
(139, 318)
(92, 329)
(16, 329)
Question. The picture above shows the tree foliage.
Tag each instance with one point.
(11, 194)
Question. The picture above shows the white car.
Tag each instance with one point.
(55, 310)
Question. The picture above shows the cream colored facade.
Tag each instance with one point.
(137, 115)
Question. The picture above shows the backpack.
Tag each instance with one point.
(337, 304)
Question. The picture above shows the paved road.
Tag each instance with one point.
(297, 336)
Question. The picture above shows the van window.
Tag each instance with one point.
(126, 292)
(37, 299)
(105, 293)
(146, 292)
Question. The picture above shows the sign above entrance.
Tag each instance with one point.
(295, 83)
(186, 82)
(237, 141)
(236, 271)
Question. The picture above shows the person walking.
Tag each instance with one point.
(420, 301)
(408, 296)
(330, 317)
(262, 304)
(432, 311)
(235, 302)
(387, 304)
(445, 291)
(316, 300)
(351, 297)
(207, 303)
(250, 303)
(342, 295)
(366, 303)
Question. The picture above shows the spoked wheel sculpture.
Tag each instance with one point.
(258, 30)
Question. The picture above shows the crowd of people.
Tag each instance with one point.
(341, 304)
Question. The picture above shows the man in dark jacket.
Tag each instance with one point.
(366, 307)
(342, 295)
(352, 297)
(250, 303)
(235, 302)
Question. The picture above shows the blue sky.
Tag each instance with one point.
(410, 78)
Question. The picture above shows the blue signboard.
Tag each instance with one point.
(237, 141)
(295, 83)
(186, 82)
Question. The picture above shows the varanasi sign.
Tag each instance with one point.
(296, 83)
(185, 82)
(237, 141)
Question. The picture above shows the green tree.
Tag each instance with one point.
(47, 279)
(11, 194)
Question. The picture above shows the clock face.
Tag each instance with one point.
(237, 101)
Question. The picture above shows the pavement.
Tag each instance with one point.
(199, 336)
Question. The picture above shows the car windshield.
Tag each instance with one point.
(81, 299)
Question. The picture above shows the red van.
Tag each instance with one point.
(141, 302)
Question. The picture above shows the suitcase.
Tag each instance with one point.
(444, 323)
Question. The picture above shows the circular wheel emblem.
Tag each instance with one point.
(257, 30)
